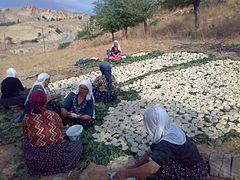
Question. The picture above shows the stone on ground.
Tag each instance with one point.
(94, 172)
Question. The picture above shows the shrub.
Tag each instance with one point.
(63, 45)
(7, 23)
(9, 40)
(34, 40)
(44, 17)
(51, 26)
(154, 22)
(58, 31)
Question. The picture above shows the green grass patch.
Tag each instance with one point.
(96, 152)
(64, 45)
(128, 60)
(220, 141)
(10, 132)
(131, 59)
(130, 95)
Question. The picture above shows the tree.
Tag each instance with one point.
(113, 15)
(127, 13)
(196, 4)
(105, 16)
(175, 3)
(145, 9)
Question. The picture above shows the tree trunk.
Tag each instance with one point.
(145, 25)
(125, 31)
(113, 38)
(196, 13)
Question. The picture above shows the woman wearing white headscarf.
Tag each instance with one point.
(13, 92)
(115, 52)
(79, 106)
(172, 154)
(41, 83)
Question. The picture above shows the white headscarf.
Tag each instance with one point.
(88, 84)
(160, 127)
(40, 80)
(11, 72)
(119, 47)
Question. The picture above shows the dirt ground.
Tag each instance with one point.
(219, 36)
(9, 152)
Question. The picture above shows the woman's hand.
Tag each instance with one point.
(74, 115)
(120, 175)
(65, 113)
(56, 96)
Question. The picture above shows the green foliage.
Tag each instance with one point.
(203, 138)
(205, 4)
(51, 26)
(130, 95)
(7, 23)
(90, 30)
(96, 152)
(34, 40)
(10, 132)
(64, 45)
(105, 16)
(44, 17)
(113, 15)
(20, 171)
(130, 59)
(154, 22)
(9, 39)
(171, 4)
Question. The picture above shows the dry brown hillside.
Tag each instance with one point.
(25, 14)
(173, 31)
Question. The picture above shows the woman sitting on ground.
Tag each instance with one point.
(105, 86)
(45, 150)
(79, 106)
(171, 156)
(115, 52)
(41, 83)
(13, 92)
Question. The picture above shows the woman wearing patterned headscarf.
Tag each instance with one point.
(79, 106)
(105, 86)
(45, 151)
(13, 92)
(172, 154)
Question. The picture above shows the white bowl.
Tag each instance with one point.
(74, 132)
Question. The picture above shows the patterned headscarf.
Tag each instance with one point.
(159, 126)
(11, 72)
(37, 101)
(106, 70)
